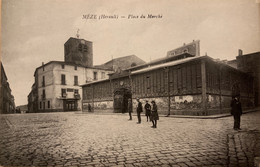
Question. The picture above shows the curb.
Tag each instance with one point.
(172, 116)
(210, 116)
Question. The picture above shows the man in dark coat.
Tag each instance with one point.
(236, 111)
(147, 108)
(139, 109)
(154, 114)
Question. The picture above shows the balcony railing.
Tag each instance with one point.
(77, 96)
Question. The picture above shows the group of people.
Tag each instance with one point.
(151, 112)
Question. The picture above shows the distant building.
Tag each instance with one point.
(250, 64)
(122, 63)
(56, 86)
(22, 109)
(192, 48)
(7, 104)
(182, 84)
(232, 63)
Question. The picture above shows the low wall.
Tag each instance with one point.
(104, 106)
(179, 105)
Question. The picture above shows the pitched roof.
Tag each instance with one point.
(123, 62)
(68, 63)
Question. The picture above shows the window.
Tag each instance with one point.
(103, 75)
(63, 93)
(40, 105)
(95, 76)
(185, 51)
(80, 47)
(85, 48)
(49, 104)
(75, 67)
(148, 82)
(76, 80)
(43, 104)
(63, 79)
(43, 94)
(133, 64)
(43, 80)
(62, 66)
(76, 91)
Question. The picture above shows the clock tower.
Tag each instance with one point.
(79, 51)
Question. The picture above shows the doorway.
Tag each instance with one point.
(70, 105)
(121, 97)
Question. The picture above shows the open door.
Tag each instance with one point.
(121, 97)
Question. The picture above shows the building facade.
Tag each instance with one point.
(192, 85)
(7, 104)
(250, 64)
(56, 86)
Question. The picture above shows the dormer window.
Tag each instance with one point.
(95, 75)
(85, 48)
(80, 47)
(185, 51)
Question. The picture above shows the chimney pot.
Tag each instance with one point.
(240, 52)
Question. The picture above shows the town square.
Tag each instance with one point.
(76, 139)
(172, 83)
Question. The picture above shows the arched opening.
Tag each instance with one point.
(121, 96)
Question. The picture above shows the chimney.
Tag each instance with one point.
(240, 52)
(42, 63)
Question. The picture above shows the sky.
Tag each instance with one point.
(34, 31)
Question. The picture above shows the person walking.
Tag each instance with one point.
(129, 107)
(147, 108)
(139, 109)
(154, 114)
(236, 111)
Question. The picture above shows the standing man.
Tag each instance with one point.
(154, 115)
(139, 109)
(130, 109)
(236, 111)
(147, 108)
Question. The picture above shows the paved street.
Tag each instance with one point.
(69, 139)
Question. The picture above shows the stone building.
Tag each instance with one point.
(184, 83)
(250, 64)
(123, 63)
(7, 104)
(79, 51)
(56, 86)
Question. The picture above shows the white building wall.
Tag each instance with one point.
(53, 83)
(47, 72)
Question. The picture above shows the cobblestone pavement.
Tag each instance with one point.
(69, 139)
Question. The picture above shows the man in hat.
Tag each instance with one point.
(154, 114)
(147, 108)
(236, 111)
(139, 109)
